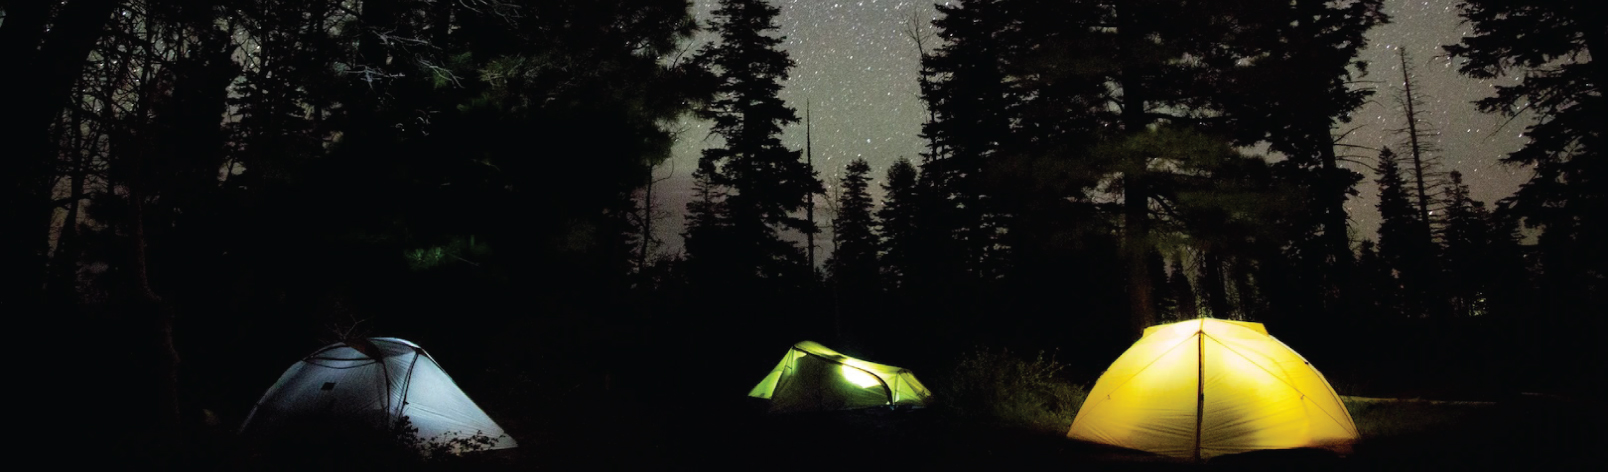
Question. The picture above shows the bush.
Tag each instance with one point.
(1013, 392)
(440, 449)
(345, 443)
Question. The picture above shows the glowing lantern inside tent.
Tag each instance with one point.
(859, 377)
(812, 377)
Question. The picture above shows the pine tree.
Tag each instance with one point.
(1402, 245)
(967, 94)
(1040, 106)
(852, 268)
(1555, 49)
(1183, 292)
(1214, 285)
(1141, 59)
(1468, 254)
(1286, 71)
(1512, 287)
(1398, 218)
(710, 253)
(1166, 302)
(1019, 82)
(54, 57)
(1422, 276)
(1226, 205)
(853, 263)
(897, 225)
(766, 182)
(1376, 286)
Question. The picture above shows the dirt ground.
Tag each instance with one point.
(1520, 433)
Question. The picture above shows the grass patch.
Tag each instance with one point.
(1517, 433)
(1378, 418)
(1011, 391)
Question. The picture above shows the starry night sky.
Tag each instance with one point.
(857, 67)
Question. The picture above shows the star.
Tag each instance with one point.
(1421, 28)
(857, 67)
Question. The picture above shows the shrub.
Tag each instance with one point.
(440, 449)
(346, 443)
(1013, 392)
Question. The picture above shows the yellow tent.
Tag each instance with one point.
(1207, 387)
(812, 377)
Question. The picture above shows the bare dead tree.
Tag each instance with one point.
(343, 325)
(1420, 137)
(922, 36)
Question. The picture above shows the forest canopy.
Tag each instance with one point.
(215, 186)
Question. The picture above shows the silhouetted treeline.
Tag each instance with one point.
(750, 187)
(197, 193)
(204, 190)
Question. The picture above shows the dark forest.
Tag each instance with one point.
(198, 194)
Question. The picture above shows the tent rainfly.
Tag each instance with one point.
(1203, 388)
(812, 377)
(375, 381)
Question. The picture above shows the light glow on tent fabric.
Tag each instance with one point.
(858, 377)
(812, 377)
(395, 379)
(1205, 388)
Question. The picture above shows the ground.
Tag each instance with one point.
(662, 409)
(1522, 432)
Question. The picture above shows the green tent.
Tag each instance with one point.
(812, 377)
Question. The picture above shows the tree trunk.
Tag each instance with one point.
(1336, 242)
(1245, 296)
(1412, 137)
(1136, 230)
(25, 201)
(1335, 237)
(53, 59)
(1212, 284)
(151, 306)
(647, 224)
(363, 114)
(62, 283)
(1136, 197)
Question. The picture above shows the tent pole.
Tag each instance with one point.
(1200, 384)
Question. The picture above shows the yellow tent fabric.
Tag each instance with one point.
(1203, 388)
(812, 377)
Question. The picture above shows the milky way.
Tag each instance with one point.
(857, 68)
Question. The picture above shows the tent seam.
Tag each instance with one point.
(1304, 396)
(1148, 364)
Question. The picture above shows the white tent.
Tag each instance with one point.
(376, 382)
